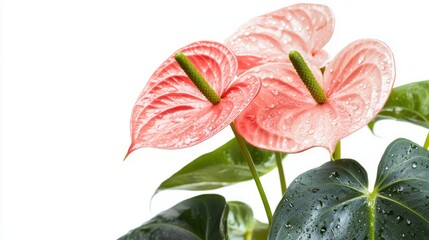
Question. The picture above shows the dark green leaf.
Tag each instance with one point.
(201, 217)
(333, 201)
(408, 103)
(224, 166)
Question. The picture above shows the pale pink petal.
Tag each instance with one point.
(171, 113)
(359, 81)
(283, 117)
(305, 28)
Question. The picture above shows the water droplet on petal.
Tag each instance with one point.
(275, 92)
(414, 165)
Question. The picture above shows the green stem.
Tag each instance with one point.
(426, 145)
(307, 77)
(371, 209)
(196, 77)
(252, 168)
(281, 172)
(247, 235)
(337, 152)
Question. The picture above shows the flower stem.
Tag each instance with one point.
(281, 172)
(196, 77)
(252, 168)
(307, 77)
(426, 144)
(337, 152)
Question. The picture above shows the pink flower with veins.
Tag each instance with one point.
(285, 117)
(172, 113)
(305, 28)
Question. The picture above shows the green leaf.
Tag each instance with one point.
(222, 167)
(409, 103)
(260, 231)
(240, 219)
(333, 201)
(242, 224)
(201, 217)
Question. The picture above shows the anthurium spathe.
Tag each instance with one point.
(305, 28)
(285, 117)
(172, 113)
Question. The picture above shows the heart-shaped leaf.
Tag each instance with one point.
(221, 167)
(242, 225)
(333, 201)
(197, 218)
(408, 103)
(284, 116)
(270, 37)
(172, 113)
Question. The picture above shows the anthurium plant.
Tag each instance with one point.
(280, 92)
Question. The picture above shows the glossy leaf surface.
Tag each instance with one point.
(221, 167)
(409, 103)
(284, 116)
(172, 113)
(242, 224)
(197, 218)
(270, 37)
(333, 201)
(240, 219)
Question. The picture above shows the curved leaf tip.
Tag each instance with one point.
(408, 103)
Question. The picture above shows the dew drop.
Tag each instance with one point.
(322, 230)
(399, 219)
(275, 92)
(333, 175)
(414, 165)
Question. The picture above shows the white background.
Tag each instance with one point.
(72, 70)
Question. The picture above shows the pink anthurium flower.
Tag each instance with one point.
(305, 28)
(172, 113)
(285, 117)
